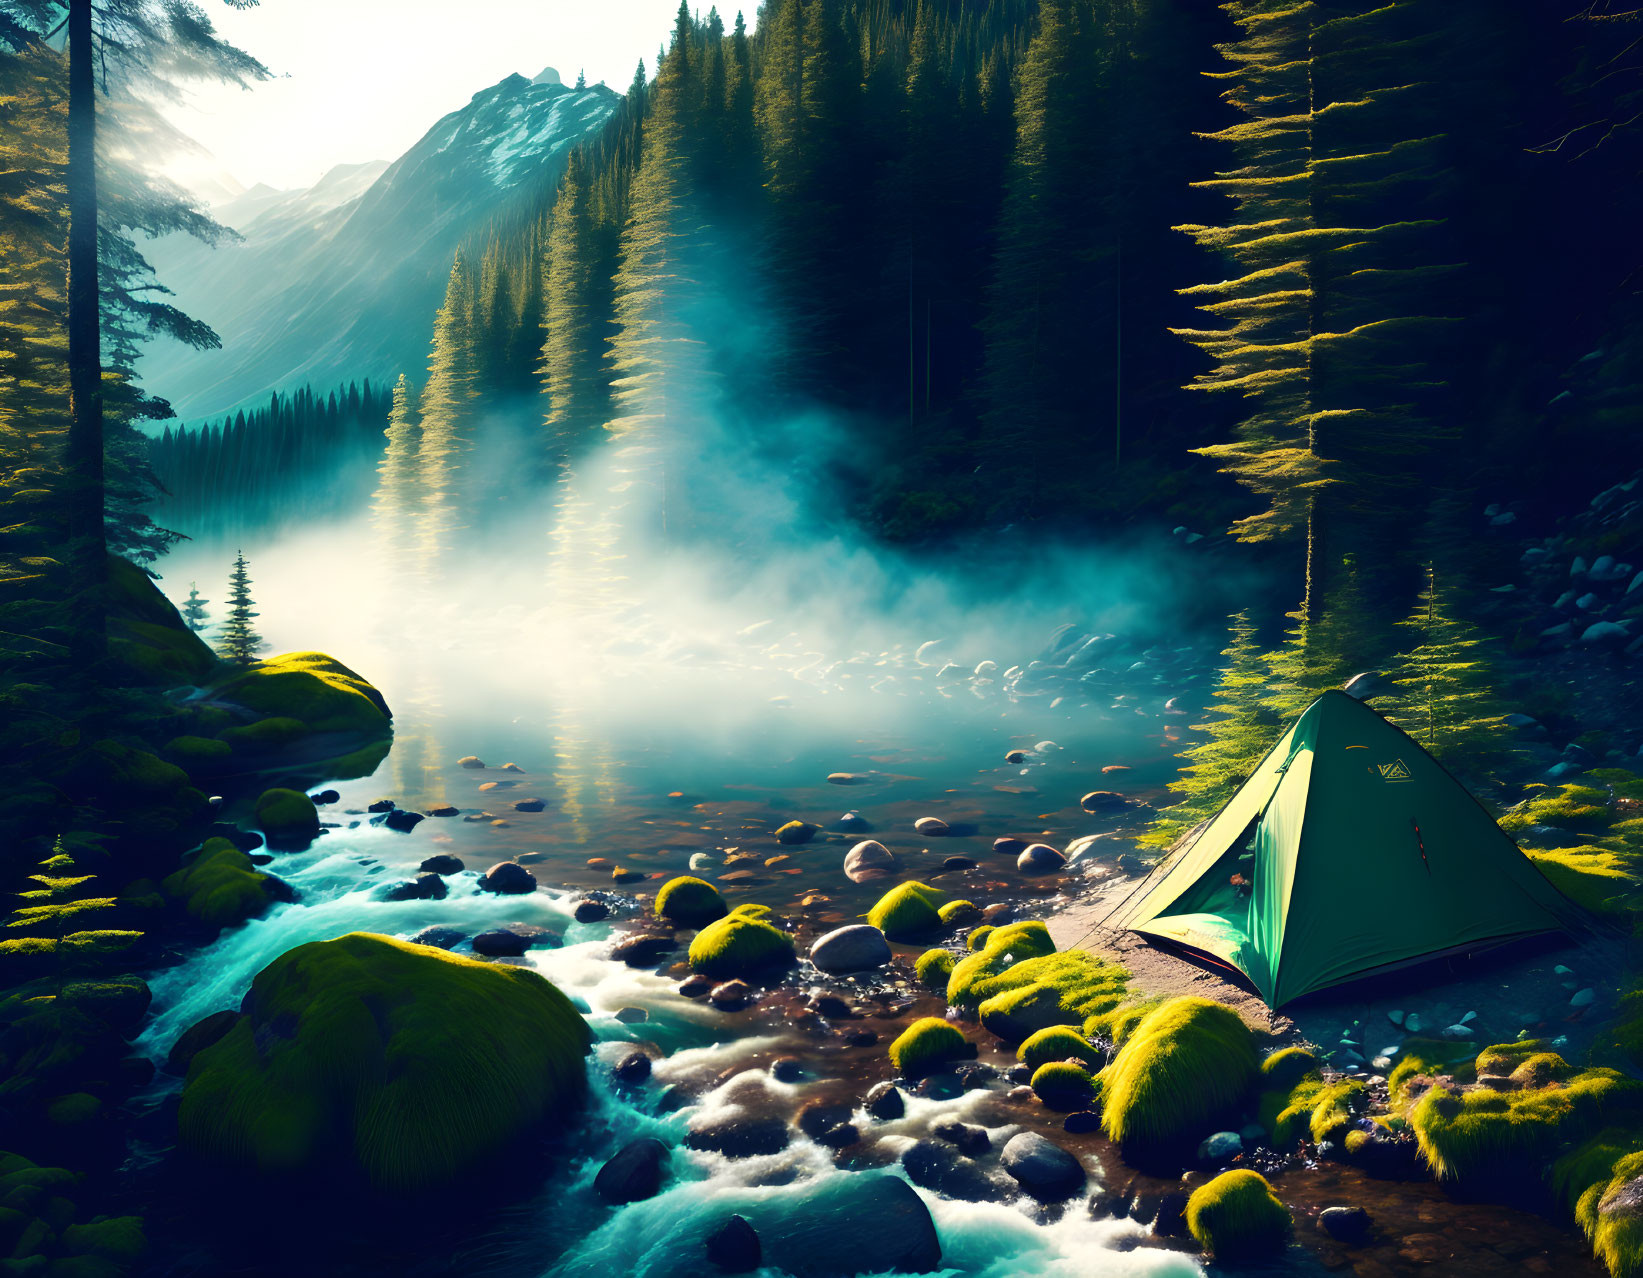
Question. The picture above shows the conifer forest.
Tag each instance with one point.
(964, 637)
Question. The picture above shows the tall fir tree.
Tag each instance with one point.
(238, 642)
(447, 415)
(396, 506)
(195, 617)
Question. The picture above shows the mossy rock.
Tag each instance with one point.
(1188, 1063)
(287, 818)
(689, 902)
(1497, 1137)
(796, 832)
(1055, 989)
(928, 1045)
(197, 755)
(1430, 1057)
(311, 687)
(958, 913)
(1063, 1085)
(1118, 1025)
(1001, 947)
(1503, 1058)
(1057, 1043)
(1541, 1069)
(1599, 1181)
(907, 911)
(1337, 1107)
(156, 803)
(147, 639)
(977, 939)
(1569, 807)
(395, 1066)
(933, 967)
(1288, 1066)
(218, 886)
(1236, 1217)
(265, 735)
(742, 943)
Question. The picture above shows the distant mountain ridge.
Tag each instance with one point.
(340, 281)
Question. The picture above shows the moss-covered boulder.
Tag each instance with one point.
(147, 640)
(42, 1233)
(198, 756)
(796, 832)
(382, 1064)
(1491, 1136)
(933, 968)
(1057, 1043)
(689, 902)
(742, 943)
(218, 886)
(958, 913)
(1019, 984)
(977, 939)
(928, 1045)
(1236, 1217)
(1118, 1024)
(310, 686)
(287, 818)
(908, 911)
(1187, 1064)
(1428, 1058)
(152, 806)
(1063, 1085)
(1601, 1183)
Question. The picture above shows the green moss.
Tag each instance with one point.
(1425, 1056)
(310, 686)
(1337, 1105)
(1597, 878)
(1057, 1043)
(1503, 1058)
(1063, 1085)
(907, 911)
(1540, 1069)
(73, 1109)
(1287, 1067)
(288, 818)
(689, 902)
(396, 1064)
(1237, 1217)
(1117, 1025)
(977, 939)
(927, 1045)
(1189, 1062)
(933, 968)
(1569, 807)
(1494, 1135)
(740, 944)
(796, 832)
(218, 885)
(1001, 947)
(117, 1238)
(196, 752)
(1356, 1141)
(154, 799)
(958, 913)
(1592, 1180)
(264, 735)
(1055, 989)
(146, 636)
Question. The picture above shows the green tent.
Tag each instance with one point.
(1350, 851)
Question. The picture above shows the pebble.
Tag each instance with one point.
(530, 805)
(501, 943)
(1102, 801)
(588, 910)
(380, 805)
(854, 948)
(325, 797)
(696, 986)
(1009, 845)
(444, 810)
(846, 778)
(508, 877)
(968, 1138)
(632, 1068)
(1220, 1148)
(701, 861)
(469, 761)
(511, 767)
(402, 821)
(621, 874)
(1085, 1120)
(644, 950)
(444, 863)
(634, 1173)
(1583, 998)
(884, 1101)
(1016, 756)
(853, 823)
(787, 1069)
(1345, 1224)
(632, 1015)
(958, 863)
(1040, 858)
(730, 994)
(930, 827)
(869, 859)
(1041, 1167)
(443, 938)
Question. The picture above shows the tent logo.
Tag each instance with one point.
(1394, 771)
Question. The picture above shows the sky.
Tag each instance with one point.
(360, 80)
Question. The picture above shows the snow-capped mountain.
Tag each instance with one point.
(341, 280)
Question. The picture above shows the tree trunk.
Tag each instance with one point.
(85, 373)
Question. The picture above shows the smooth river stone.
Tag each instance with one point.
(469, 761)
(846, 778)
(1041, 1167)
(853, 948)
(930, 827)
(869, 859)
(1040, 858)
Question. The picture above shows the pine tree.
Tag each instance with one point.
(394, 508)
(53, 909)
(1446, 698)
(1234, 742)
(572, 378)
(238, 642)
(447, 414)
(194, 614)
(1334, 324)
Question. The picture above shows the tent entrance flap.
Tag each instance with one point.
(1349, 851)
